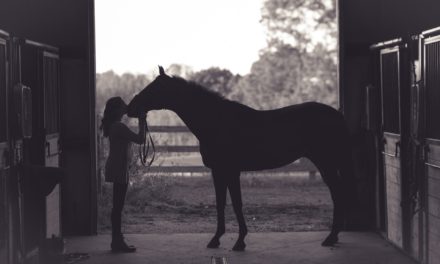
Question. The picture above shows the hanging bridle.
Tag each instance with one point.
(144, 149)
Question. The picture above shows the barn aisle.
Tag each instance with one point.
(279, 248)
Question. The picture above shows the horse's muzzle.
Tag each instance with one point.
(133, 113)
(133, 110)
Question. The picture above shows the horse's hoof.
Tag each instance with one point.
(330, 241)
(214, 243)
(239, 246)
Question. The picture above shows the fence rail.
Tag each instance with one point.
(301, 165)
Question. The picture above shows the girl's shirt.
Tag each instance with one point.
(117, 165)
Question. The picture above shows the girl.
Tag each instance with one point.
(116, 167)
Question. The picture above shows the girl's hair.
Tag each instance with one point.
(111, 114)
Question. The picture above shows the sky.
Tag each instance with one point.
(137, 35)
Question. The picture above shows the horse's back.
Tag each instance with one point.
(253, 139)
(289, 127)
(303, 120)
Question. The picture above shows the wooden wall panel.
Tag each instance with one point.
(434, 206)
(433, 199)
(434, 240)
(53, 207)
(434, 257)
(415, 236)
(393, 190)
(393, 200)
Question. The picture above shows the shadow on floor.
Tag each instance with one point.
(276, 248)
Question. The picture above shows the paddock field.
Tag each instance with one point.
(173, 204)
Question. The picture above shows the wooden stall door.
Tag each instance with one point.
(390, 108)
(51, 84)
(431, 76)
(39, 71)
(4, 153)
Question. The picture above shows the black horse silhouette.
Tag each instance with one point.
(235, 138)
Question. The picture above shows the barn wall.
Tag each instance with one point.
(61, 23)
(361, 24)
(4, 149)
(68, 25)
(76, 210)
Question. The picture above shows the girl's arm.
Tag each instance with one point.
(126, 133)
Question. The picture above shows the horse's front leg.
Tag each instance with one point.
(235, 192)
(220, 199)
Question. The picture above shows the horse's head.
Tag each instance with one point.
(153, 97)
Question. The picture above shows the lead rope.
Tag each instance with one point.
(144, 149)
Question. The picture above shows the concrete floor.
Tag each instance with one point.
(273, 248)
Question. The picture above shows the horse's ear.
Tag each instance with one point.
(161, 70)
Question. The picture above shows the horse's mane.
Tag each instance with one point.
(199, 90)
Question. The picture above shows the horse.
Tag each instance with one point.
(234, 138)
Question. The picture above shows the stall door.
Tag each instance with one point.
(431, 76)
(51, 84)
(390, 106)
(4, 153)
(39, 71)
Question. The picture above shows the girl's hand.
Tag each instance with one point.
(142, 115)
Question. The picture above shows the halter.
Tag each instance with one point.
(144, 149)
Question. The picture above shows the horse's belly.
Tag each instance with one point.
(249, 160)
(251, 154)
(261, 160)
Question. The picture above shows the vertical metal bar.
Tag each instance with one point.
(424, 196)
(382, 92)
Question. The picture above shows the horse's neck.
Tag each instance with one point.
(197, 116)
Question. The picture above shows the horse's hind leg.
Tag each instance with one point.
(220, 186)
(331, 178)
(235, 192)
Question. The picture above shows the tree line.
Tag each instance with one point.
(298, 64)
